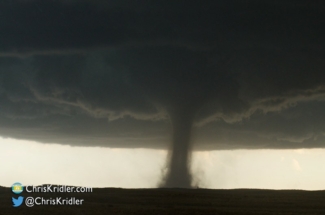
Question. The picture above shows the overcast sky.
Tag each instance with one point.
(118, 74)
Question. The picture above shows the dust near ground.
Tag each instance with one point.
(176, 201)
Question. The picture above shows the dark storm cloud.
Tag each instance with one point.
(54, 26)
(110, 73)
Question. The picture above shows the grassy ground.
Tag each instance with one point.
(175, 201)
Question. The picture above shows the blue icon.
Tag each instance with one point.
(17, 202)
(17, 188)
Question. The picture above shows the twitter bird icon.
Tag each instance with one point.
(17, 202)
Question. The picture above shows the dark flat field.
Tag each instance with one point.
(175, 201)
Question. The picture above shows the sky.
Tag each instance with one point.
(151, 76)
(32, 163)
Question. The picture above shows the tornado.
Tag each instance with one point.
(178, 174)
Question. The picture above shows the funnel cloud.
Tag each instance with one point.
(144, 74)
